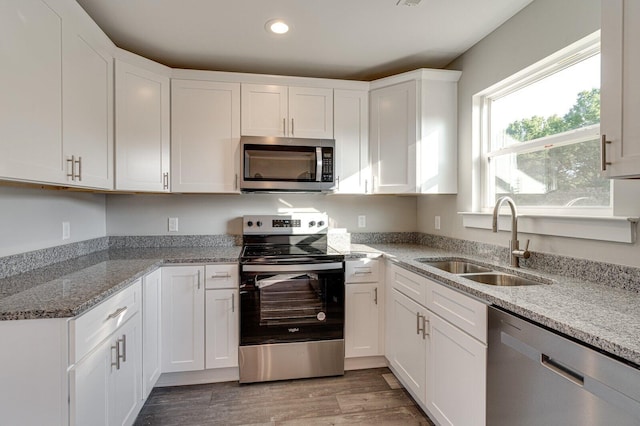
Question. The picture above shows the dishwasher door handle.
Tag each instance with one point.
(561, 370)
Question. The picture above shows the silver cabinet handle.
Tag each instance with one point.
(165, 180)
(123, 355)
(220, 275)
(337, 183)
(366, 186)
(198, 279)
(71, 164)
(603, 154)
(375, 295)
(116, 313)
(116, 348)
(284, 127)
(425, 323)
(79, 163)
(292, 127)
(418, 316)
(233, 302)
(235, 182)
(367, 272)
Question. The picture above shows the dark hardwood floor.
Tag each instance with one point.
(364, 397)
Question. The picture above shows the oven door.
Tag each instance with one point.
(291, 303)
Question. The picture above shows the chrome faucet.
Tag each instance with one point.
(514, 244)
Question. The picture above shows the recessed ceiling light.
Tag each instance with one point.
(277, 26)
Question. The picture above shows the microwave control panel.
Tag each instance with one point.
(327, 164)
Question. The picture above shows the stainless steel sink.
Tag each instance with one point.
(455, 266)
(500, 279)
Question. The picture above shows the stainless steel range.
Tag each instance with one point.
(291, 299)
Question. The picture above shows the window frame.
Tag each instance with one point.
(544, 68)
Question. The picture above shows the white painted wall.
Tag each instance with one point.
(218, 214)
(31, 218)
(542, 28)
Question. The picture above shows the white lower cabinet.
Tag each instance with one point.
(363, 331)
(440, 358)
(151, 320)
(105, 384)
(182, 318)
(222, 322)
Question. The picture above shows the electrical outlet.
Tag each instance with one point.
(437, 222)
(66, 230)
(362, 221)
(173, 224)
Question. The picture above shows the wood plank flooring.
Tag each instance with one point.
(364, 397)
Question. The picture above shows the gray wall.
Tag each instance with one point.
(542, 28)
(31, 219)
(218, 214)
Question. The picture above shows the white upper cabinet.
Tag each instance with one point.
(413, 133)
(142, 127)
(31, 100)
(87, 106)
(351, 131)
(205, 135)
(620, 89)
(273, 110)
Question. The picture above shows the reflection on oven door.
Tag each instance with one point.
(291, 299)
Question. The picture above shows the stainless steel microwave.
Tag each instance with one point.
(287, 164)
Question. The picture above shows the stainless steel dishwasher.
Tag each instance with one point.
(538, 377)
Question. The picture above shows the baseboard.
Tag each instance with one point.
(198, 377)
(362, 363)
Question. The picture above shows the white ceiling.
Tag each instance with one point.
(348, 39)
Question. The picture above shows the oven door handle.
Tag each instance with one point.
(309, 267)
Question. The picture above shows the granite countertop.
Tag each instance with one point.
(605, 317)
(69, 288)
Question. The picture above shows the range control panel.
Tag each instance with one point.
(287, 224)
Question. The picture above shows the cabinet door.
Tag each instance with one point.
(310, 112)
(362, 322)
(30, 84)
(393, 144)
(126, 379)
(351, 131)
(89, 387)
(408, 351)
(456, 372)
(264, 110)
(151, 320)
(182, 318)
(205, 135)
(87, 100)
(621, 87)
(142, 129)
(222, 316)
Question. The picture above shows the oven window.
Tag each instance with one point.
(291, 299)
(279, 163)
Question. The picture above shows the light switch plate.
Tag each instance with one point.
(362, 221)
(66, 230)
(173, 224)
(437, 222)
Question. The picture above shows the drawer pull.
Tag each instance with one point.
(365, 272)
(220, 275)
(375, 295)
(117, 313)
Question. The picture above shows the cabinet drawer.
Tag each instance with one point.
(362, 271)
(412, 285)
(92, 327)
(460, 310)
(221, 276)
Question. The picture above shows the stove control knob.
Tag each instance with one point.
(259, 223)
(312, 224)
(321, 224)
(249, 224)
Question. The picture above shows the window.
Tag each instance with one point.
(540, 136)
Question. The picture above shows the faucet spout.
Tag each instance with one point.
(514, 244)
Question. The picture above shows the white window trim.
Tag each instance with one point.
(584, 223)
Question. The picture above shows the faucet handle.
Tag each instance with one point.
(522, 253)
(526, 246)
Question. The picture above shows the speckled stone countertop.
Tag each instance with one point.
(604, 317)
(69, 288)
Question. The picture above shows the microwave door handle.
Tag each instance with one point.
(318, 164)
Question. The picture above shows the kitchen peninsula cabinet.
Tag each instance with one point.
(620, 89)
(182, 318)
(57, 96)
(437, 346)
(275, 110)
(351, 131)
(142, 125)
(413, 133)
(205, 136)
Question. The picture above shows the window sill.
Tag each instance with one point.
(611, 228)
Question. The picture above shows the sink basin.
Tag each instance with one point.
(504, 280)
(455, 266)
